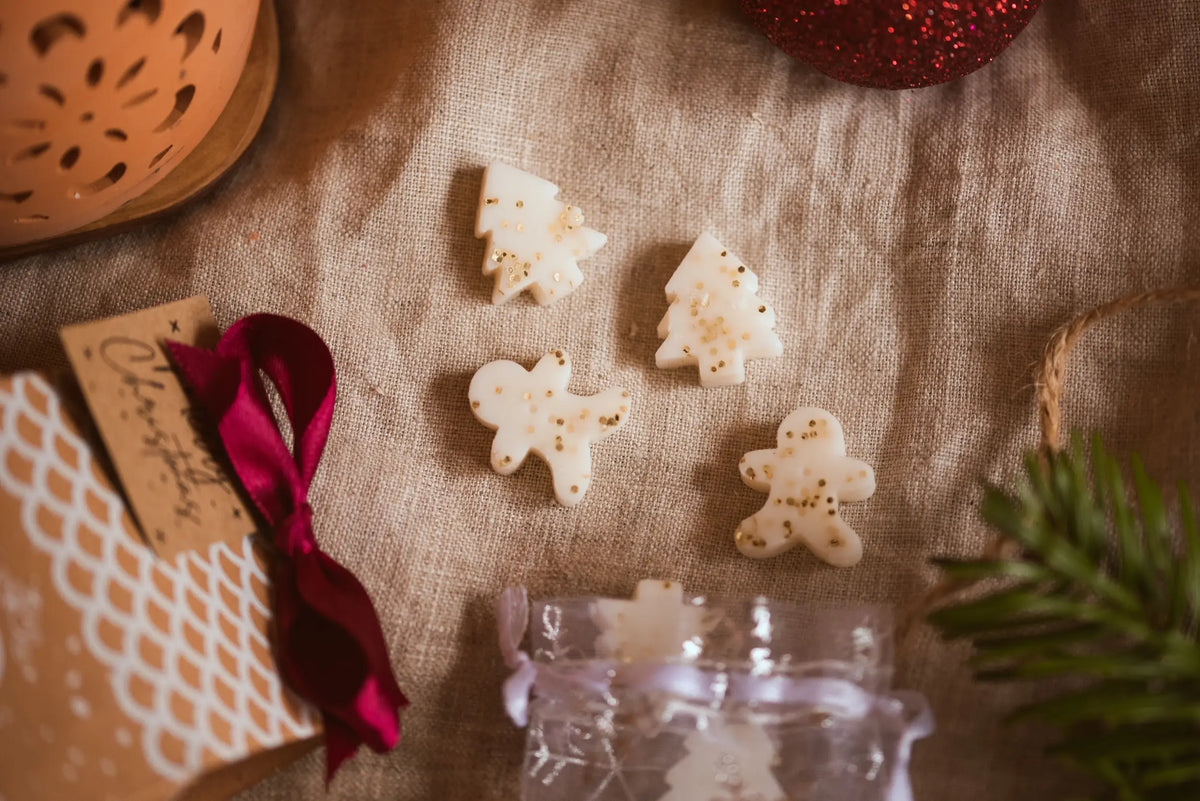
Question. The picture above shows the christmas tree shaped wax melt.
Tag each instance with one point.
(716, 319)
(534, 241)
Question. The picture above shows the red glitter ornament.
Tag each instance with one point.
(892, 44)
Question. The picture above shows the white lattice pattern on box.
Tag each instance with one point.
(180, 639)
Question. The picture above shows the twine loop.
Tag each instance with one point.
(1051, 386)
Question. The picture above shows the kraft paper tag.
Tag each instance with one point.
(182, 496)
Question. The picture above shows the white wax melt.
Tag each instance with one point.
(658, 626)
(532, 411)
(534, 241)
(735, 757)
(715, 320)
(807, 475)
(655, 625)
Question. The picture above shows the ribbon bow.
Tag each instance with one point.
(908, 710)
(329, 645)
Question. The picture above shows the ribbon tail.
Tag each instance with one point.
(340, 744)
(213, 379)
(517, 688)
(920, 724)
(333, 653)
(512, 618)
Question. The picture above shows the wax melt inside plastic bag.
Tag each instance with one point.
(670, 697)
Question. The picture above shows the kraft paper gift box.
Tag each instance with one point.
(123, 674)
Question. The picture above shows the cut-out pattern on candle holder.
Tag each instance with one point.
(98, 104)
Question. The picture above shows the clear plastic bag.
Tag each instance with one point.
(718, 701)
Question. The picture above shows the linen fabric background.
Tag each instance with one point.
(919, 247)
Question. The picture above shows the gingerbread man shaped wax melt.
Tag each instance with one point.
(532, 411)
(807, 475)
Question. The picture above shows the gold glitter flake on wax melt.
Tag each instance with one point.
(534, 241)
(562, 436)
(814, 517)
(708, 315)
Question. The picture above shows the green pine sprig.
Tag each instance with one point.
(1104, 596)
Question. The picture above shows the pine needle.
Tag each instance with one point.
(1103, 598)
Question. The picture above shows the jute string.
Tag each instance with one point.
(1050, 383)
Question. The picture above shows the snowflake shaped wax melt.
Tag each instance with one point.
(716, 319)
(532, 411)
(656, 625)
(534, 241)
(807, 475)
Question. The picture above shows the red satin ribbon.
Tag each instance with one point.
(329, 645)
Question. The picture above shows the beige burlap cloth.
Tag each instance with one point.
(918, 247)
